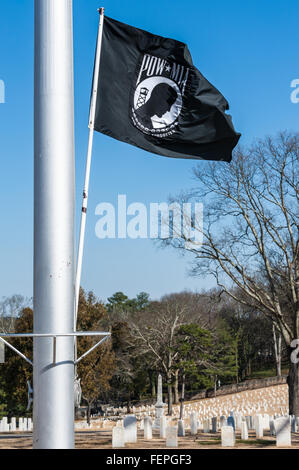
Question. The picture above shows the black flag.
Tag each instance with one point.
(150, 95)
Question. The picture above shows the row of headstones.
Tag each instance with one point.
(206, 420)
(24, 424)
(281, 427)
(135, 410)
(219, 406)
(277, 396)
(202, 410)
(257, 422)
(126, 432)
(209, 411)
(97, 423)
(217, 410)
(253, 422)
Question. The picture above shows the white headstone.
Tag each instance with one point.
(181, 429)
(148, 434)
(21, 424)
(25, 424)
(214, 424)
(238, 422)
(259, 426)
(206, 426)
(118, 437)
(13, 424)
(130, 427)
(5, 425)
(227, 436)
(193, 423)
(163, 425)
(223, 421)
(30, 424)
(266, 421)
(272, 427)
(283, 432)
(249, 422)
(171, 436)
(244, 430)
(159, 406)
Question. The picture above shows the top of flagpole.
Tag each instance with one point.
(101, 10)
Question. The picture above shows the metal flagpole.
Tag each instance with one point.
(53, 412)
(93, 104)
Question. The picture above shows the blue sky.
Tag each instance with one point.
(248, 50)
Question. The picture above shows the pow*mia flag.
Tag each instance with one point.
(150, 95)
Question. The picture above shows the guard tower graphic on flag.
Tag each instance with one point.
(142, 97)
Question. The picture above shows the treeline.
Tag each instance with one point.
(195, 340)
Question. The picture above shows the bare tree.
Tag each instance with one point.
(154, 331)
(250, 233)
(10, 309)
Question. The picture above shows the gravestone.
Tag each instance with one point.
(283, 432)
(163, 425)
(13, 424)
(272, 427)
(25, 424)
(148, 434)
(130, 427)
(171, 436)
(259, 426)
(214, 424)
(231, 422)
(30, 424)
(223, 421)
(4, 426)
(118, 437)
(227, 436)
(249, 422)
(266, 421)
(159, 406)
(193, 423)
(244, 430)
(21, 427)
(206, 426)
(181, 429)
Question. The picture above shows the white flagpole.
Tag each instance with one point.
(88, 162)
(54, 165)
